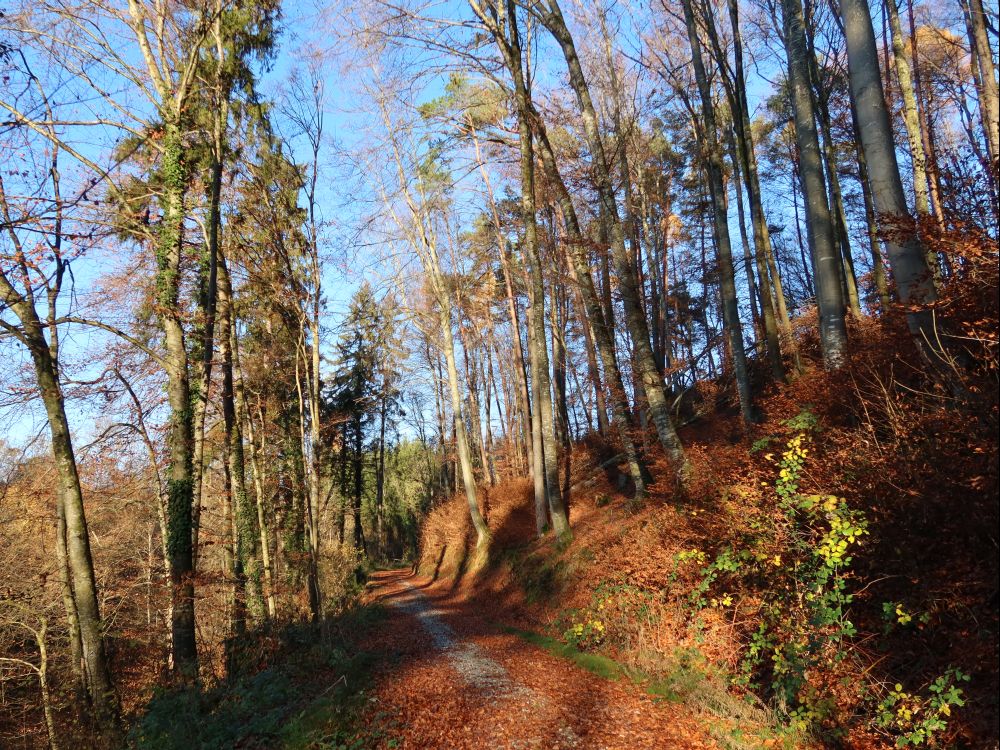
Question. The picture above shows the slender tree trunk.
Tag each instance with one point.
(982, 57)
(712, 156)
(825, 256)
(380, 471)
(762, 234)
(247, 564)
(358, 461)
(537, 443)
(557, 323)
(580, 269)
(523, 398)
(756, 311)
(908, 262)
(540, 375)
(244, 416)
(600, 403)
(80, 563)
(772, 312)
(43, 684)
(926, 131)
(462, 443)
(540, 360)
(652, 378)
(69, 605)
(911, 119)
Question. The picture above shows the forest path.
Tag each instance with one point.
(450, 679)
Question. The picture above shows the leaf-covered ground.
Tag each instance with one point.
(451, 678)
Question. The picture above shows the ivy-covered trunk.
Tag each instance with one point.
(180, 434)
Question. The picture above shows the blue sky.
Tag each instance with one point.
(343, 190)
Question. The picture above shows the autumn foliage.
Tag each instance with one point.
(908, 454)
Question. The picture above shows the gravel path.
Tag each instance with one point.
(473, 666)
(450, 678)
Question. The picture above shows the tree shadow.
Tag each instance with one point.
(551, 705)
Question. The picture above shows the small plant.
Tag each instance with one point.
(688, 555)
(804, 421)
(726, 562)
(586, 634)
(916, 720)
(895, 614)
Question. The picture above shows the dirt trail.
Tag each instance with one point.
(450, 679)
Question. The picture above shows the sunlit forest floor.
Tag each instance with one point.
(453, 676)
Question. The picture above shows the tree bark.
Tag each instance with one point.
(819, 226)
(878, 266)
(909, 266)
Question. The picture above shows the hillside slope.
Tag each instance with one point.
(837, 568)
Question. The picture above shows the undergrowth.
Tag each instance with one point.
(309, 698)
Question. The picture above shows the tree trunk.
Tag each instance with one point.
(244, 416)
(825, 256)
(651, 377)
(600, 403)
(80, 563)
(180, 435)
(878, 266)
(580, 269)
(911, 118)
(462, 443)
(69, 605)
(43, 684)
(521, 372)
(358, 461)
(712, 156)
(207, 300)
(909, 266)
(982, 57)
(540, 360)
(537, 443)
(547, 448)
(848, 279)
(745, 164)
(247, 565)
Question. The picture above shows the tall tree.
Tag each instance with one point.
(651, 378)
(27, 276)
(712, 159)
(906, 258)
(826, 258)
